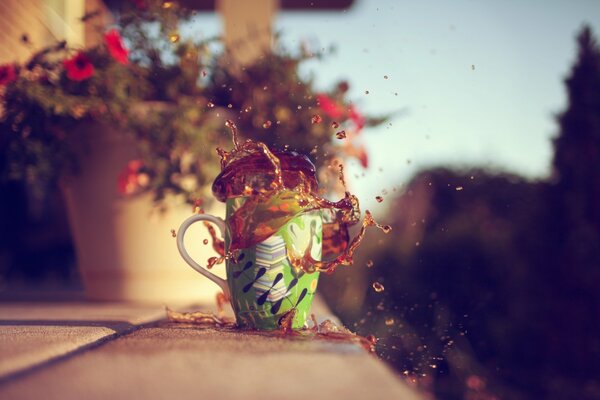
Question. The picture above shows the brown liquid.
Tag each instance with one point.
(327, 330)
(279, 186)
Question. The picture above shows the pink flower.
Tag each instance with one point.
(7, 74)
(329, 106)
(79, 68)
(115, 46)
(357, 118)
(363, 157)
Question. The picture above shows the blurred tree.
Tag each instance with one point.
(576, 188)
(491, 280)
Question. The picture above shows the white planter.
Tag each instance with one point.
(125, 250)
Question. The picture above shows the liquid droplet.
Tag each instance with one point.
(370, 264)
(372, 339)
(378, 287)
(366, 92)
(316, 119)
(205, 241)
(267, 124)
(210, 104)
(458, 188)
(385, 77)
(473, 67)
(173, 233)
(229, 105)
(335, 125)
(389, 321)
(379, 199)
(212, 261)
(341, 135)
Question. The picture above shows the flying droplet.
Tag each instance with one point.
(210, 104)
(229, 105)
(267, 124)
(385, 77)
(370, 264)
(378, 287)
(335, 125)
(316, 119)
(205, 241)
(174, 38)
(173, 233)
(389, 321)
(379, 199)
(341, 135)
(458, 188)
(211, 262)
(366, 92)
(473, 67)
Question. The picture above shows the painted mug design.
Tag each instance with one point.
(261, 282)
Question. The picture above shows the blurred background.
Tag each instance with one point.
(489, 169)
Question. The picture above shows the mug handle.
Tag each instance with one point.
(180, 246)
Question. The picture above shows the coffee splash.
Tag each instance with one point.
(326, 330)
(279, 186)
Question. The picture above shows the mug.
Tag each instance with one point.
(261, 283)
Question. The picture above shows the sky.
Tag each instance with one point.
(470, 83)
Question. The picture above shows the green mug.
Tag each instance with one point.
(261, 283)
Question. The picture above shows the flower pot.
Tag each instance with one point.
(125, 249)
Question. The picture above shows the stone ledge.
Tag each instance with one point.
(97, 351)
(183, 362)
(32, 333)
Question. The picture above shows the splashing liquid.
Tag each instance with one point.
(326, 330)
(278, 186)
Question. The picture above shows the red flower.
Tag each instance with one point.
(7, 74)
(115, 46)
(79, 68)
(357, 118)
(329, 106)
(131, 179)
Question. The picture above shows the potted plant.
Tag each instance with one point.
(115, 126)
(129, 128)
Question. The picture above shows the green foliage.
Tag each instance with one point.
(171, 96)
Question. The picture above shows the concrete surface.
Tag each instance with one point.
(97, 351)
(35, 333)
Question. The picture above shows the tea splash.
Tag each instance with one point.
(283, 185)
(326, 330)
